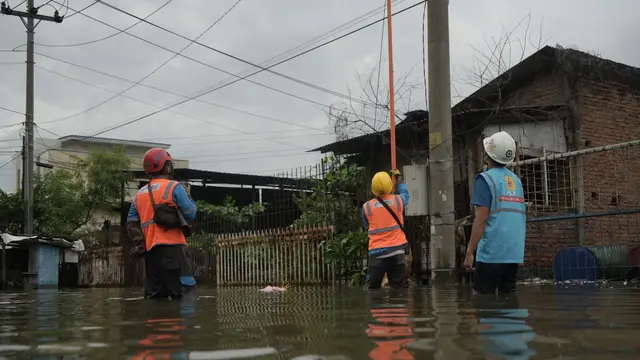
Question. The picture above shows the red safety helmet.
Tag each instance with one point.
(155, 159)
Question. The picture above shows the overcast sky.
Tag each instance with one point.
(222, 139)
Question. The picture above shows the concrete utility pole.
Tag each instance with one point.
(441, 159)
(27, 156)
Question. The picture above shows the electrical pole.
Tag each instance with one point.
(31, 15)
(441, 160)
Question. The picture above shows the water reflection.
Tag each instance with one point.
(322, 323)
(164, 330)
(501, 327)
(390, 329)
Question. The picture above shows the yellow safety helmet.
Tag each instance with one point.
(381, 184)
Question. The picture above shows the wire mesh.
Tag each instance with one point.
(588, 198)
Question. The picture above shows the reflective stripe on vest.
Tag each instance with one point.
(384, 231)
(504, 237)
(162, 191)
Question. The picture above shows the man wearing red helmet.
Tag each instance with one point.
(155, 226)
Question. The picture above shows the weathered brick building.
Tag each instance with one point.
(553, 102)
(597, 103)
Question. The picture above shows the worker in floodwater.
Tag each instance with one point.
(156, 224)
(499, 229)
(383, 219)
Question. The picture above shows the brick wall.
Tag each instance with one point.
(610, 115)
(546, 89)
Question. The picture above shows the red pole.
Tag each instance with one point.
(392, 105)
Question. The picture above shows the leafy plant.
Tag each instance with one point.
(203, 241)
(229, 215)
(350, 246)
(66, 199)
(335, 201)
(236, 218)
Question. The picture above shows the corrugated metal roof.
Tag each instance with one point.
(216, 177)
(111, 141)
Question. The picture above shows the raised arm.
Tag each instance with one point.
(184, 202)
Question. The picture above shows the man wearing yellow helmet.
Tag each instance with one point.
(383, 219)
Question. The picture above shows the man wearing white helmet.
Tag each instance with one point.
(499, 229)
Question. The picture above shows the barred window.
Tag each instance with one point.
(546, 184)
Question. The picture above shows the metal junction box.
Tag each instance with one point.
(415, 176)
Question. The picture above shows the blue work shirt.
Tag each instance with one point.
(503, 240)
(481, 193)
(180, 197)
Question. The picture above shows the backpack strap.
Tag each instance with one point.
(395, 217)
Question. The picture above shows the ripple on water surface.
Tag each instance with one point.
(323, 323)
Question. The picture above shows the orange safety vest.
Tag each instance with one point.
(383, 229)
(162, 191)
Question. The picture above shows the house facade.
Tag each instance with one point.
(554, 102)
(582, 102)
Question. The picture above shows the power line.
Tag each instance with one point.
(260, 68)
(81, 11)
(318, 38)
(11, 125)
(210, 156)
(11, 111)
(14, 157)
(10, 160)
(164, 91)
(244, 77)
(106, 37)
(187, 97)
(227, 135)
(267, 69)
(246, 158)
(160, 107)
(209, 91)
(149, 74)
(22, 2)
(207, 65)
(384, 11)
(215, 142)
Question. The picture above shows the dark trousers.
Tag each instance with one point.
(393, 266)
(490, 277)
(165, 265)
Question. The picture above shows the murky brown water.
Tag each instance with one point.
(539, 323)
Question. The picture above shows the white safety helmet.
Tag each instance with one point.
(500, 147)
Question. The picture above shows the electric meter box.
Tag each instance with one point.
(415, 176)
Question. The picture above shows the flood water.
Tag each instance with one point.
(540, 322)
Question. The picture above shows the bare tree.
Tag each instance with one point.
(500, 55)
(370, 112)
